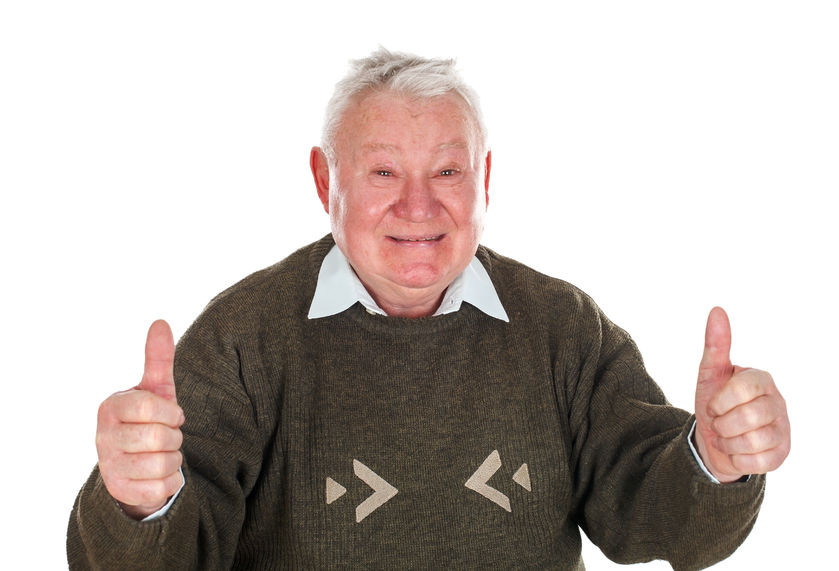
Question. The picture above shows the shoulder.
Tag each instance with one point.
(281, 291)
(521, 287)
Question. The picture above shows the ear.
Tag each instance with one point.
(486, 175)
(320, 171)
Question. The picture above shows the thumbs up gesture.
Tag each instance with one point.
(742, 425)
(138, 434)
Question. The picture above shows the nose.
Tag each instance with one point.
(417, 202)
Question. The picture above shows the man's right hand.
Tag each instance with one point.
(138, 433)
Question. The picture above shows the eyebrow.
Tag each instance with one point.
(372, 147)
(453, 145)
(369, 147)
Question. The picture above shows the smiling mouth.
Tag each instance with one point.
(416, 239)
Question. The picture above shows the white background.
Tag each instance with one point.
(665, 157)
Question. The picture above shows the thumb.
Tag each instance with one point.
(715, 366)
(158, 373)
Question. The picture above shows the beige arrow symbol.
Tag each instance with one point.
(382, 491)
(334, 490)
(478, 481)
(522, 477)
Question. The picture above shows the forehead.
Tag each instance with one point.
(386, 119)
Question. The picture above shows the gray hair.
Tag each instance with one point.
(404, 74)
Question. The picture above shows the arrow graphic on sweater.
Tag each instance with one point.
(382, 490)
(478, 481)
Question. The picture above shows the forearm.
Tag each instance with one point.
(664, 507)
(698, 522)
(101, 535)
(642, 494)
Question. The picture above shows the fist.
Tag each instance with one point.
(742, 425)
(138, 434)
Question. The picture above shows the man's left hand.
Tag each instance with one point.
(742, 425)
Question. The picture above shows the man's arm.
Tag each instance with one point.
(640, 493)
(105, 530)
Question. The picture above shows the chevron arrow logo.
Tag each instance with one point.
(382, 490)
(478, 481)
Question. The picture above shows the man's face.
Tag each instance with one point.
(407, 195)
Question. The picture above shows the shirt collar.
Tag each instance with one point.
(338, 288)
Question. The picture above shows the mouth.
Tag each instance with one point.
(417, 239)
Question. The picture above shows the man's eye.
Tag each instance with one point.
(448, 172)
(384, 173)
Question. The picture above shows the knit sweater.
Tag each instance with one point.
(457, 441)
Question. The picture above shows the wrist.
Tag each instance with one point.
(705, 455)
(139, 512)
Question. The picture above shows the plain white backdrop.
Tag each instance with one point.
(664, 156)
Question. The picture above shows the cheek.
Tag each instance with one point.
(337, 212)
(366, 210)
(358, 215)
(478, 221)
(470, 211)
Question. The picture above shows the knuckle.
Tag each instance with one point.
(767, 377)
(153, 438)
(774, 437)
(727, 426)
(105, 412)
(138, 466)
(749, 384)
(161, 465)
(745, 390)
(152, 492)
(726, 445)
(168, 464)
(102, 412)
(765, 462)
(145, 406)
(762, 463)
(746, 463)
(785, 449)
(125, 439)
(737, 462)
(718, 426)
(715, 408)
(780, 404)
(137, 438)
(179, 439)
(753, 440)
(104, 444)
(159, 438)
(130, 438)
(749, 417)
(151, 466)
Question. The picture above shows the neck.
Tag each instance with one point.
(412, 311)
(412, 304)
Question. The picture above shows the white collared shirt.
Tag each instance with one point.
(338, 288)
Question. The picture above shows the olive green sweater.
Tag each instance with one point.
(457, 441)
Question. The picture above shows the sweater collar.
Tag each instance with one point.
(338, 288)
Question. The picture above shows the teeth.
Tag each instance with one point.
(418, 239)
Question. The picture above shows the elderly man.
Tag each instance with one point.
(396, 395)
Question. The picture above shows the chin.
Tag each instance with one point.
(421, 277)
